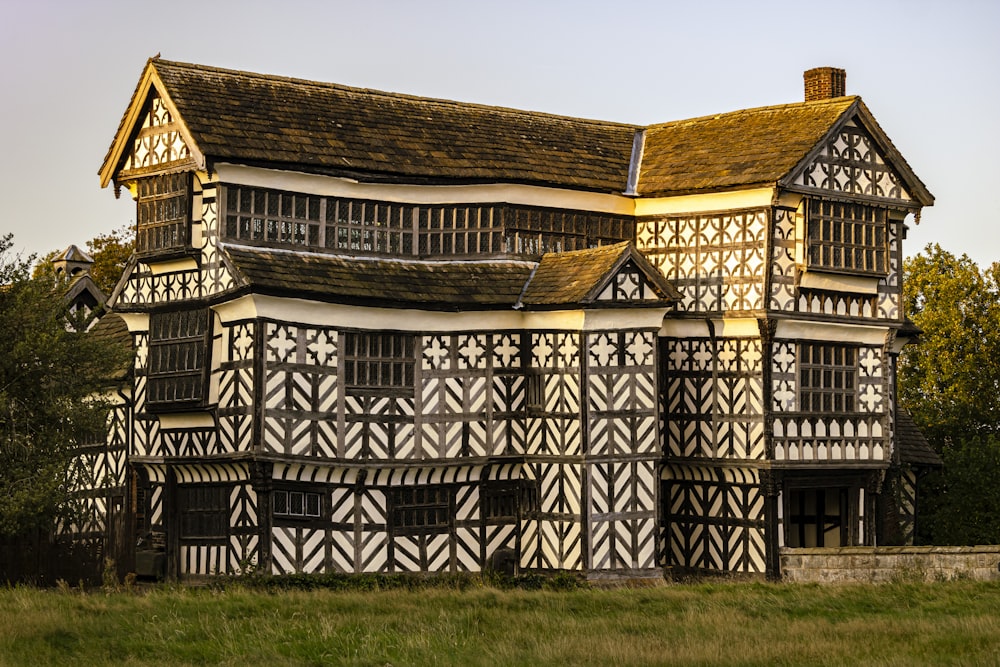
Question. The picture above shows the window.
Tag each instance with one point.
(421, 508)
(362, 226)
(847, 237)
(378, 361)
(535, 231)
(255, 214)
(382, 228)
(535, 391)
(163, 212)
(827, 377)
(509, 501)
(460, 230)
(204, 511)
(296, 503)
(178, 347)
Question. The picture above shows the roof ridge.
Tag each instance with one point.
(388, 94)
(371, 258)
(846, 100)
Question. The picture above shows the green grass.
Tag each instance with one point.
(698, 624)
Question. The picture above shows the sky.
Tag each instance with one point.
(927, 70)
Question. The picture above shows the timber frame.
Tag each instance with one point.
(391, 334)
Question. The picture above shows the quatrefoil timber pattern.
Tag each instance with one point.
(716, 261)
(441, 336)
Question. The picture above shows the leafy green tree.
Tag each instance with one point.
(950, 379)
(950, 382)
(49, 377)
(110, 252)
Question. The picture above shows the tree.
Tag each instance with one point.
(950, 379)
(960, 504)
(950, 382)
(49, 377)
(110, 252)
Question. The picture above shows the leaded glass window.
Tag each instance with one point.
(827, 377)
(846, 237)
(178, 358)
(163, 212)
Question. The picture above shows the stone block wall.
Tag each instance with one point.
(887, 564)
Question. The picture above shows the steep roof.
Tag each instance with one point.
(913, 446)
(257, 119)
(738, 149)
(246, 117)
(574, 277)
(566, 279)
(112, 328)
(73, 254)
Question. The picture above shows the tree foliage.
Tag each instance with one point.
(960, 504)
(110, 252)
(950, 379)
(49, 376)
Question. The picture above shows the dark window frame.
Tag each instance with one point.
(163, 213)
(421, 509)
(272, 216)
(848, 238)
(345, 225)
(828, 377)
(507, 501)
(178, 360)
(378, 362)
(297, 504)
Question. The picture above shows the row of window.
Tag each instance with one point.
(204, 508)
(390, 228)
(840, 236)
(847, 237)
(384, 362)
(163, 212)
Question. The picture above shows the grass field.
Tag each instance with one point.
(699, 624)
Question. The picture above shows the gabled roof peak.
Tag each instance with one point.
(231, 116)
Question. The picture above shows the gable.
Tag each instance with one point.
(157, 144)
(151, 138)
(612, 274)
(629, 285)
(858, 160)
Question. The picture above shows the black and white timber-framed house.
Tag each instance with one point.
(383, 333)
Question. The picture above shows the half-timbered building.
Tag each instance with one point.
(384, 333)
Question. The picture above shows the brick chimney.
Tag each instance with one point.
(823, 83)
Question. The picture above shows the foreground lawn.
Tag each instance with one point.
(707, 624)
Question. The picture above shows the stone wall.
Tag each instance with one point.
(883, 564)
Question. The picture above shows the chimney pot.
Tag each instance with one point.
(823, 83)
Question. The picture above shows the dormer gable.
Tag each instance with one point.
(614, 275)
(152, 138)
(857, 160)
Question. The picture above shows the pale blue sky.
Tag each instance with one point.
(927, 70)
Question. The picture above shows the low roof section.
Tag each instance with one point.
(913, 446)
(569, 279)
